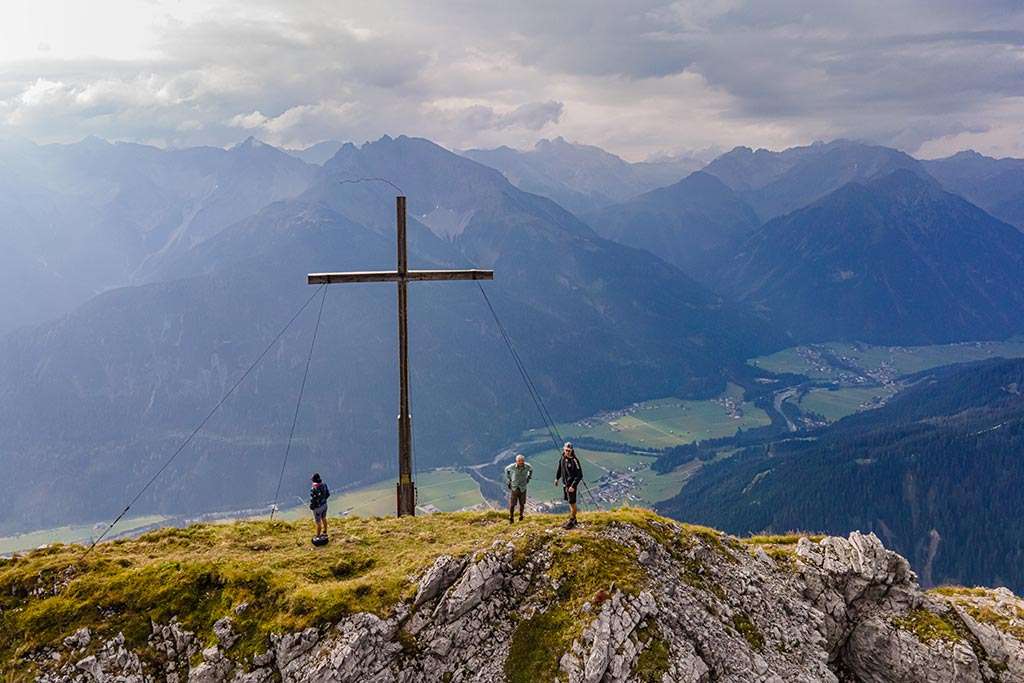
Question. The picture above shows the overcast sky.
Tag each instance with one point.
(638, 78)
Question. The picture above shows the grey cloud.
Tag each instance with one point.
(913, 136)
(640, 77)
(532, 115)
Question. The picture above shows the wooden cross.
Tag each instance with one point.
(406, 489)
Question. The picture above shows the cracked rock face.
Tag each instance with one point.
(708, 608)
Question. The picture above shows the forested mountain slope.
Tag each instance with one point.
(936, 473)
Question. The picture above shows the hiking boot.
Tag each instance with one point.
(570, 524)
(511, 519)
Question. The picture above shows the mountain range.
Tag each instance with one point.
(776, 183)
(84, 218)
(582, 178)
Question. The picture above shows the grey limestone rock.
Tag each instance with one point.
(442, 574)
(709, 608)
(223, 628)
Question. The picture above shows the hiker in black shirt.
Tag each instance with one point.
(318, 495)
(570, 473)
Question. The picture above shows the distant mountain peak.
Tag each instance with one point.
(969, 154)
(701, 179)
(92, 142)
(253, 143)
(317, 153)
(560, 143)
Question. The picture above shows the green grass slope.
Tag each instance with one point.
(203, 572)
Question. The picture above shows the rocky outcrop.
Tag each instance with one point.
(687, 605)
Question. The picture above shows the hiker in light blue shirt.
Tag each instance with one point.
(517, 476)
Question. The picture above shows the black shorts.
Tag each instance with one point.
(570, 495)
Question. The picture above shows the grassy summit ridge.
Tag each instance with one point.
(202, 572)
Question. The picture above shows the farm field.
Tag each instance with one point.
(907, 360)
(450, 490)
(835, 404)
(881, 360)
(669, 422)
(655, 487)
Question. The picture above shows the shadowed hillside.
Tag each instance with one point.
(896, 260)
(92, 403)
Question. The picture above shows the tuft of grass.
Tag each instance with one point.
(1002, 622)
(746, 628)
(780, 547)
(654, 662)
(928, 627)
(410, 646)
(791, 538)
(720, 543)
(537, 644)
(960, 591)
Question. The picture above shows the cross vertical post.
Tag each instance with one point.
(405, 488)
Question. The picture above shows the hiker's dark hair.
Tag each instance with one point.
(316, 478)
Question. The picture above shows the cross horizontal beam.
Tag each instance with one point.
(395, 276)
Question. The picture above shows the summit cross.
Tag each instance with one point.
(406, 488)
